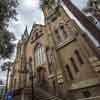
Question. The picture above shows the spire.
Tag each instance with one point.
(26, 32)
(25, 35)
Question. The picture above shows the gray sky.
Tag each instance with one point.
(29, 13)
(80, 3)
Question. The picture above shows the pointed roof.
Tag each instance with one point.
(26, 31)
(25, 35)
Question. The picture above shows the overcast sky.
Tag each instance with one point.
(29, 13)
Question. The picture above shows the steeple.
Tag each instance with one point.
(25, 35)
(26, 32)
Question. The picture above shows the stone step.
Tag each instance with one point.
(43, 95)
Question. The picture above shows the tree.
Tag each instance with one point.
(7, 12)
(6, 66)
(6, 44)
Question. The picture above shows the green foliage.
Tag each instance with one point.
(6, 45)
(7, 12)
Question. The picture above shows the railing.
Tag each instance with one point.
(91, 98)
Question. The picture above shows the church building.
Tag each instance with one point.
(57, 59)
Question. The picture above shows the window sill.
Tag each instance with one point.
(40, 65)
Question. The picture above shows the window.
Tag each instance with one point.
(30, 65)
(36, 35)
(79, 57)
(69, 72)
(39, 55)
(60, 33)
(74, 65)
(50, 58)
(86, 94)
(58, 38)
(50, 68)
(63, 32)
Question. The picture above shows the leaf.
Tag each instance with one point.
(6, 45)
(7, 11)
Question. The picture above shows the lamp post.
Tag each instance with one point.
(31, 77)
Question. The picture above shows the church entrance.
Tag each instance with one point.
(42, 75)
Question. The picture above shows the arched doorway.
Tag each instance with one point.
(42, 75)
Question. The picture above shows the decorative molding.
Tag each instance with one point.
(85, 84)
(36, 38)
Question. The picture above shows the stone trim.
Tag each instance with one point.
(85, 84)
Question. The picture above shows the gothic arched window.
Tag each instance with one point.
(50, 58)
(39, 55)
(58, 37)
(79, 57)
(63, 31)
(60, 33)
